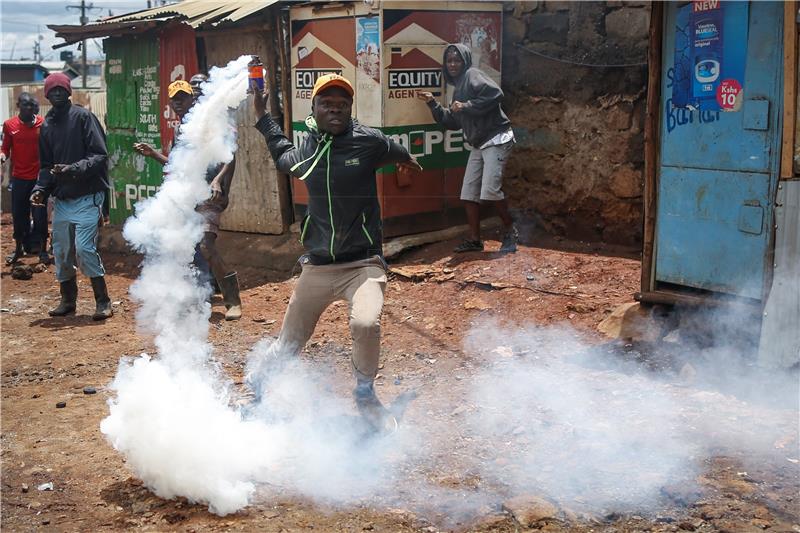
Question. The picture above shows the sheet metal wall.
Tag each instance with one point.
(259, 195)
(94, 100)
(177, 57)
(133, 116)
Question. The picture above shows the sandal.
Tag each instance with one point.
(469, 246)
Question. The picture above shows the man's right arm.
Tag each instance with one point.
(283, 152)
(5, 151)
(443, 116)
(46, 181)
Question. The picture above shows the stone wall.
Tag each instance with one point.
(578, 166)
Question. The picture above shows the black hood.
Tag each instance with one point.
(466, 55)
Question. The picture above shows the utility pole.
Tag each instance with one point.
(37, 46)
(84, 20)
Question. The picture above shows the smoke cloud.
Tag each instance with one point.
(540, 410)
(570, 421)
(174, 417)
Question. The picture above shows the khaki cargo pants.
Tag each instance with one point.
(362, 284)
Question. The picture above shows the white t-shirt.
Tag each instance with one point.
(500, 138)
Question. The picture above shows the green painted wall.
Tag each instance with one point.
(133, 115)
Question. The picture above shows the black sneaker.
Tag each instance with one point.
(469, 246)
(509, 243)
(44, 258)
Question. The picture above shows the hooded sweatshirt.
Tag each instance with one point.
(343, 219)
(482, 117)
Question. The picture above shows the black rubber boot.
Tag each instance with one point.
(230, 295)
(69, 297)
(102, 301)
(377, 417)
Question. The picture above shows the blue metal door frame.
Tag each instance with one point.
(717, 172)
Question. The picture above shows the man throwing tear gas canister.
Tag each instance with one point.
(342, 228)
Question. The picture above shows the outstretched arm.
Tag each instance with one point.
(148, 151)
(443, 116)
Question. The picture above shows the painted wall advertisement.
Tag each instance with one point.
(391, 56)
(710, 51)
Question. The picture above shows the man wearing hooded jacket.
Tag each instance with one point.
(477, 111)
(342, 230)
(73, 168)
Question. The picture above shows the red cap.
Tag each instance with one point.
(57, 79)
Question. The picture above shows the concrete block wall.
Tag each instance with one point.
(578, 165)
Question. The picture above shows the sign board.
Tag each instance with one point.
(710, 51)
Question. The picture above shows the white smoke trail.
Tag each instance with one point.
(172, 417)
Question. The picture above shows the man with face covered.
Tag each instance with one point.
(342, 229)
(476, 110)
(21, 144)
(73, 158)
(182, 96)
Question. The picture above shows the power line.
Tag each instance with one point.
(84, 20)
(578, 63)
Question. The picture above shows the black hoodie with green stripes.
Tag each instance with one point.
(343, 219)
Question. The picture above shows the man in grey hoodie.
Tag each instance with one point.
(476, 110)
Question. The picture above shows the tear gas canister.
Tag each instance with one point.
(256, 69)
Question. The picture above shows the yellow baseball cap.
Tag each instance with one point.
(331, 80)
(177, 86)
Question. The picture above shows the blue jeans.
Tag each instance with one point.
(75, 225)
(30, 238)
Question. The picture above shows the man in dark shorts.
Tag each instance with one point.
(476, 110)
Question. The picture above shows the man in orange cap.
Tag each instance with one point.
(342, 229)
(182, 96)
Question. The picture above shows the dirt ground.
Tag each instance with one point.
(431, 303)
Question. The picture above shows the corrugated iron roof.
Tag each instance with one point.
(193, 12)
(199, 11)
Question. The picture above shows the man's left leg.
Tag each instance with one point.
(365, 290)
(228, 280)
(494, 163)
(87, 217)
(21, 216)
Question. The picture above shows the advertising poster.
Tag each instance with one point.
(319, 46)
(710, 50)
(368, 70)
(414, 42)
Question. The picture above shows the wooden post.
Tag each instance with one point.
(282, 34)
(286, 71)
(789, 89)
(651, 141)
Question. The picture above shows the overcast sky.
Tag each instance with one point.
(23, 21)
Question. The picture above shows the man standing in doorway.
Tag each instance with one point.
(342, 230)
(21, 144)
(476, 110)
(182, 97)
(73, 156)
